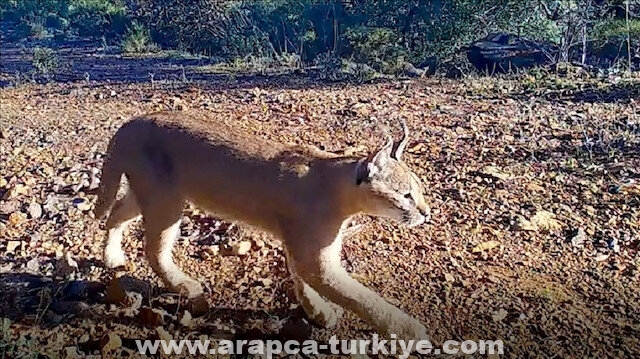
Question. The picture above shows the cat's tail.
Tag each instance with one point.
(110, 180)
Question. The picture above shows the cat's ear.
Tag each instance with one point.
(368, 167)
(398, 147)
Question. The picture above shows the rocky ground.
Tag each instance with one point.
(533, 183)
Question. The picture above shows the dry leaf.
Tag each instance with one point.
(16, 218)
(545, 220)
(66, 265)
(499, 315)
(163, 334)
(484, 246)
(495, 172)
(151, 317)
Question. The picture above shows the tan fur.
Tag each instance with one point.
(300, 194)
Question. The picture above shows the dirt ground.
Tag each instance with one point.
(534, 189)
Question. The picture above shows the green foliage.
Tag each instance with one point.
(84, 17)
(97, 17)
(45, 60)
(382, 34)
(37, 27)
(609, 40)
(138, 40)
(206, 26)
(378, 47)
(617, 28)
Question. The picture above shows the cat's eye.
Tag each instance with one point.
(408, 195)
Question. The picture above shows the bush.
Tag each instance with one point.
(610, 41)
(97, 17)
(37, 27)
(138, 40)
(617, 28)
(86, 17)
(378, 47)
(45, 60)
(221, 28)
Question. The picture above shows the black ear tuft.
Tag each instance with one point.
(398, 147)
(362, 172)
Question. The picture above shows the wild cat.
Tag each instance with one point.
(302, 195)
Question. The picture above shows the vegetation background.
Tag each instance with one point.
(384, 34)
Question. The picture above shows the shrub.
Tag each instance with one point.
(37, 27)
(138, 40)
(86, 17)
(45, 60)
(221, 28)
(610, 40)
(618, 28)
(97, 17)
(378, 47)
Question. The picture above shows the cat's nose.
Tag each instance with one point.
(426, 212)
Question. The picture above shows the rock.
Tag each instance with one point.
(525, 225)
(485, 246)
(6, 268)
(186, 320)
(495, 172)
(51, 205)
(10, 206)
(82, 204)
(16, 191)
(213, 250)
(412, 71)
(12, 246)
(241, 248)
(66, 265)
(501, 53)
(35, 210)
(71, 352)
(115, 292)
(119, 287)
(151, 317)
(499, 315)
(579, 238)
(109, 344)
(198, 306)
(541, 221)
(162, 334)
(602, 257)
(33, 265)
